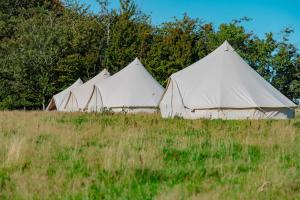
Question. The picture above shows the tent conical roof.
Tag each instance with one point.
(224, 80)
(133, 86)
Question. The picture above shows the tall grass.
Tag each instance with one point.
(94, 156)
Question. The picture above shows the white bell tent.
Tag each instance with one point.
(130, 90)
(79, 97)
(57, 100)
(222, 85)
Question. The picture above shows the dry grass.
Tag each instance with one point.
(81, 156)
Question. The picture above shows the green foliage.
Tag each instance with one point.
(80, 120)
(45, 46)
(4, 179)
(173, 47)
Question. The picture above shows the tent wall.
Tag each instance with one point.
(134, 110)
(237, 114)
(127, 110)
(172, 105)
(95, 105)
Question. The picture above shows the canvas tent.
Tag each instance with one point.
(57, 100)
(223, 85)
(131, 90)
(79, 96)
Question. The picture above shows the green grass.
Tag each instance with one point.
(94, 156)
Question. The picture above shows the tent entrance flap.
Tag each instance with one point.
(51, 106)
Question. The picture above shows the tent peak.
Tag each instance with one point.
(137, 60)
(79, 80)
(105, 72)
(226, 46)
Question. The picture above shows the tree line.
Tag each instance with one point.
(45, 45)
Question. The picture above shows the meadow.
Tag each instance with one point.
(103, 156)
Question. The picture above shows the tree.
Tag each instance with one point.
(129, 35)
(286, 67)
(173, 47)
(45, 46)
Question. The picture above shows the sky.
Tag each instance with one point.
(266, 15)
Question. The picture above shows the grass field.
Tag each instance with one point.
(94, 156)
